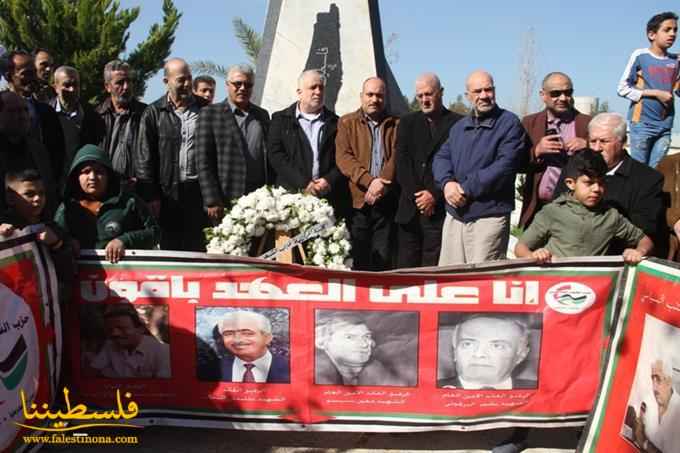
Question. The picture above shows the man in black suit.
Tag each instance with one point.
(487, 348)
(301, 145)
(247, 336)
(230, 144)
(633, 188)
(79, 121)
(421, 213)
(45, 126)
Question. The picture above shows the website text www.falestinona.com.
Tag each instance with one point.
(79, 438)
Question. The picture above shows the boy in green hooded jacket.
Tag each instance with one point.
(98, 214)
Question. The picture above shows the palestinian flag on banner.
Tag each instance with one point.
(30, 332)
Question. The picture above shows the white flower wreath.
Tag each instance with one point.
(274, 208)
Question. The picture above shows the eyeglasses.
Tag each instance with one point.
(239, 84)
(557, 93)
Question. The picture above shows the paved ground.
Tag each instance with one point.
(180, 440)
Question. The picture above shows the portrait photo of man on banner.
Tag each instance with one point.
(485, 351)
(653, 414)
(366, 348)
(122, 340)
(243, 345)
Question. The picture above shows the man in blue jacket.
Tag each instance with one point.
(476, 169)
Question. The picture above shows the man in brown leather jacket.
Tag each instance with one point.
(365, 154)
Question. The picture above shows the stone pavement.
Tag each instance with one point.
(180, 440)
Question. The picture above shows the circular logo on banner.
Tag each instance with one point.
(19, 362)
(570, 298)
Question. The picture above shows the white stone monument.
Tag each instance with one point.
(340, 38)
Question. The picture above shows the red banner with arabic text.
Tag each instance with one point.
(199, 340)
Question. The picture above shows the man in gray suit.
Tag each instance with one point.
(230, 145)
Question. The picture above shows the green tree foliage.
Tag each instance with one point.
(459, 106)
(86, 34)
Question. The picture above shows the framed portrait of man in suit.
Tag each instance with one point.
(246, 345)
(488, 351)
(366, 348)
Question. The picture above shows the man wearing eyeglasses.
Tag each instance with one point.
(231, 144)
(476, 168)
(555, 133)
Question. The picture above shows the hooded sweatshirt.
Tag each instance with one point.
(122, 215)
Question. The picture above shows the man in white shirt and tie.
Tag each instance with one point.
(247, 336)
(486, 349)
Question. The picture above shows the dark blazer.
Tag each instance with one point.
(221, 153)
(52, 137)
(279, 370)
(415, 148)
(516, 383)
(290, 155)
(636, 191)
(90, 132)
(535, 126)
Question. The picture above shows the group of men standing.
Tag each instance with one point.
(440, 185)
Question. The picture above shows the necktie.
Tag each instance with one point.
(248, 375)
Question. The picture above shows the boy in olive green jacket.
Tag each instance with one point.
(98, 214)
(578, 223)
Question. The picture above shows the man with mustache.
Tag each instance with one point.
(421, 212)
(247, 336)
(344, 353)
(365, 154)
(230, 144)
(129, 351)
(554, 133)
(476, 168)
(486, 351)
(44, 123)
(166, 163)
(301, 145)
(656, 425)
(120, 116)
(44, 65)
(78, 120)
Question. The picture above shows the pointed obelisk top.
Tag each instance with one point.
(340, 38)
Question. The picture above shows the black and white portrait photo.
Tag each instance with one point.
(372, 348)
(652, 420)
(484, 351)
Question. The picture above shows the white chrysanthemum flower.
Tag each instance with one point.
(277, 209)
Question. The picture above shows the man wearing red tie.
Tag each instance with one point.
(247, 336)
